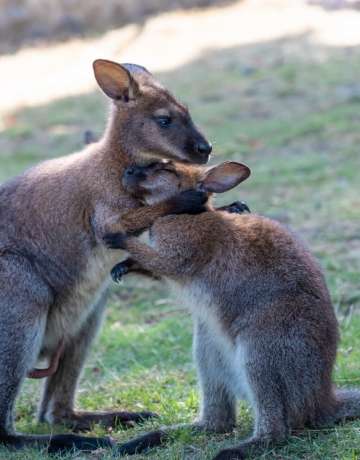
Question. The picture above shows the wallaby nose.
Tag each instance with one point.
(204, 148)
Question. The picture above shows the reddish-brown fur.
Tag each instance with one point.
(265, 328)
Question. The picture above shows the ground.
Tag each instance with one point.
(289, 107)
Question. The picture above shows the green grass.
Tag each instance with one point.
(295, 123)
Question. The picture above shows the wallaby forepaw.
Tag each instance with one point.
(238, 207)
(189, 202)
(115, 240)
(118, 271)
(230, 454)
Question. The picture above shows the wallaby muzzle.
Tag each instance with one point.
(199, 149)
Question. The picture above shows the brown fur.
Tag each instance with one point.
(53, 263)
(265, 329)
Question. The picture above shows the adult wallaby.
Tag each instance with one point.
(265, 329)
(53, 263)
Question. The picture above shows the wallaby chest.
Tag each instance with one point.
(196, 297)
(71, 310)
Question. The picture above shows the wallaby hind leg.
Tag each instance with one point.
(218, 403)
(24, 302)
(58, 400)
(268, 397)
(269, 432)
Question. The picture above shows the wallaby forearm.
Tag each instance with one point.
(137, 220)
(109, 220)
(150, 260)
(188, 202)
(140, 219)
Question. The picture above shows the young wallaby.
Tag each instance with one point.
(53, 263)
(265, 328)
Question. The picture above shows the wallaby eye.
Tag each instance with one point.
(163, 120)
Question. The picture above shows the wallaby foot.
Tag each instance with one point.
(57, 405)
(153, 439)
(56, 443)
(247, 449)
(84, 420)
(144, 442)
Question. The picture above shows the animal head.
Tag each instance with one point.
(147, 120)
(164, 179)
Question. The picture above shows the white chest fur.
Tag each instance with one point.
(71, 311)
(198, 300)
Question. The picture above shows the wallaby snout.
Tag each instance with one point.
(201, 149)
(204, 148)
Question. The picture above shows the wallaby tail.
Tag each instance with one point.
(348, 404)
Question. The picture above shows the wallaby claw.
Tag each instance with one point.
(118, 271)
(238, 207)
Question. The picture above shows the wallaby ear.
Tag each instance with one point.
(115, 80)
(224, 176)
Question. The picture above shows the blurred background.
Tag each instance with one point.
(274, 84)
